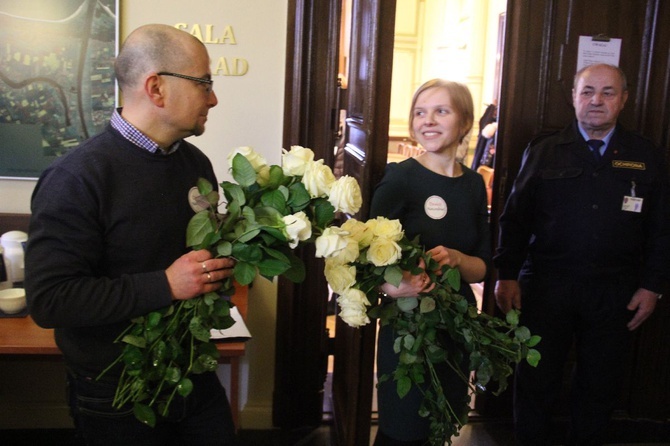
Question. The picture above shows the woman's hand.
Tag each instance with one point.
(446, 256)
(472, 269)
(410, 285)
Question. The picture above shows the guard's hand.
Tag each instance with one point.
(508, 295)
(197, 272)
(643, 303)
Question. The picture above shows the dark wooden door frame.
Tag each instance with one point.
(301, 340)
(365, 153)
(311, 120)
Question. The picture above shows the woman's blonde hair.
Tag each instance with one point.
(461, 101)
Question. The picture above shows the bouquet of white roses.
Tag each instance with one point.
(269, 210)
(360, 257)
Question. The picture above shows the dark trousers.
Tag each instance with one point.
(591, 313)
(203, 418)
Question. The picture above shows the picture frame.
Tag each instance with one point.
(57, 84)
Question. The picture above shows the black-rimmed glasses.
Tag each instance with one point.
(201, 80)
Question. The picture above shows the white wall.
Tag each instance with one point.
(249, 113)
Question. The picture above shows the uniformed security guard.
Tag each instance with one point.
(584, 243)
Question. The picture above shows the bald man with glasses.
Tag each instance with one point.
(108, 240)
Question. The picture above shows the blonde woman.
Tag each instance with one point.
(443, 202)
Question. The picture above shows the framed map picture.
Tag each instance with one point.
(57, 83)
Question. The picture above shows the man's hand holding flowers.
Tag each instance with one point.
(208, 271)
(269, 211)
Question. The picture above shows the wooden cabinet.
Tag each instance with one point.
(27, 350)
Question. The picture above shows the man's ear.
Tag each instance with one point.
(154, 88)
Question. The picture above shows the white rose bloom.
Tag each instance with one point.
(390, 229)
(353, 296)
(298, 227)
(295, 160)
(345, 195)
(384, 251)
(359, 231)
(256, 160)
(318, 179)
(354, 317)
(349, 253)
(371, 224)
(353, 305)
(339, 276)
(331, 242)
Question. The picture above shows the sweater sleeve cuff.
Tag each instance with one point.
(655, 284)
(155, 291)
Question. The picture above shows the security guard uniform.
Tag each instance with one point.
(581, 236)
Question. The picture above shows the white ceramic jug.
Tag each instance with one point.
(4, 279)
(13, 245)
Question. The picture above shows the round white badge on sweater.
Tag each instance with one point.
(435, 207)
(196, 200)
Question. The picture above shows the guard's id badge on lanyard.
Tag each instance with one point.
(631, 203)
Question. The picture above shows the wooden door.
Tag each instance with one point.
(312, 102)
(539, 62)
(311, 97)
(365, 151)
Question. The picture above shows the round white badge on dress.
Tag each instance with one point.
(196, 200)
(435, 207)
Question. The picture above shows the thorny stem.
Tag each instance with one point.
(451, 414)
(186, 373)
(436, 383)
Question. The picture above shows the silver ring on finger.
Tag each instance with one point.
(209, 277)
(204, 267)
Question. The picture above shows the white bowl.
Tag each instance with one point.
(12, 300)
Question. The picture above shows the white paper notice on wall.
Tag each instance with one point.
(598, 49)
